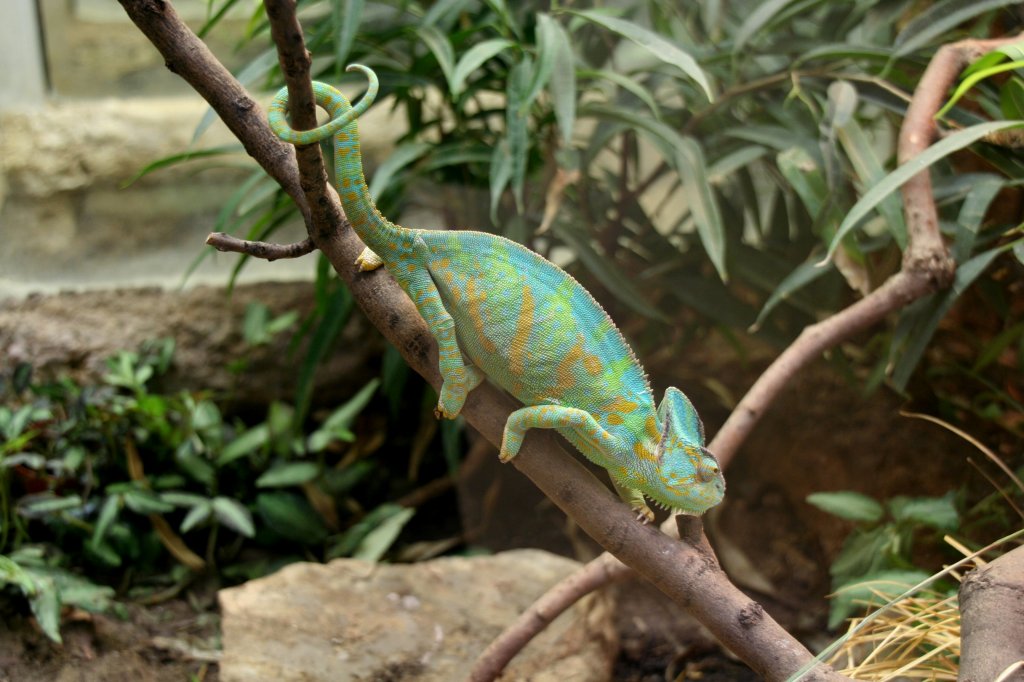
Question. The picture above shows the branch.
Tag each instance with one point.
(601, 571)
(991, 627)
(265, 250)
(686, 571)
(926, 268)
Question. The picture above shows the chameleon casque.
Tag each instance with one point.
(501, 311)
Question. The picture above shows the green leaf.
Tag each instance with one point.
(142, 501)
(338, 425)
(923, 320)
(1011, 98)
(1012, 52)
(254, 324)
(472, 60)
(938, 512)
(894, 180)
(757, 20)
(858, 594)
(183, 499)
(500, 8)
(939, 18)
(182, 157)
(805, 177)
(349, 541)
(516, 125)
(108, 513)
(334, 313)
(859, 150)
(848, 505)
(972, 213)
(441, 47)
(400, 157)
(234, 515)
(288, 474)
(246, 443)
(380, 539)
(802, 275)
(291, 516)
(196, 515)
(45, 604)
(48, 503)
(967, 83)
(701, 202)
(500, 174)
(346, 17)
(627, 84)
(556, 49)
(656, 45)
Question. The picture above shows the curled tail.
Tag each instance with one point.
(376, 231)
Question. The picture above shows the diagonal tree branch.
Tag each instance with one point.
(686, 571)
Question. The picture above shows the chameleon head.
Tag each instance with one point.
(689, 478)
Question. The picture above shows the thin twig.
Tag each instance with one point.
(265, 250)
(605, 569)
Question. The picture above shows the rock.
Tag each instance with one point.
(350, 620)
(72, 334)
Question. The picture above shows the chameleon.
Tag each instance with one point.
(503, 312)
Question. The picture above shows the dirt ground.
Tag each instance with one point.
(169, 642)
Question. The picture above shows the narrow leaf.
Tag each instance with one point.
(556, 48)
(702, 202)
(848, 505)
(287, 474)
(196, 515)
(234, 515)
(925, 320)
(939, 18)
(973, 80)
(802, 275)
(894, 180)
(380, 539)
(346, 16)
(627, 84)
(441, 47)
(402, 155)
(246, 443)
(472, 60)
(656, 45)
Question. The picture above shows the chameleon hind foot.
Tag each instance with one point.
(455, 389)
(368, 260)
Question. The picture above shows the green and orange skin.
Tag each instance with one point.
(501, 311)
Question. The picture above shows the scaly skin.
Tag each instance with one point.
(502, 311)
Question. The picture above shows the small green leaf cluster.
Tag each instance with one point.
(120, 477)
(878, 555)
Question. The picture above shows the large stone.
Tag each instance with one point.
(350, 620)
(72, 334)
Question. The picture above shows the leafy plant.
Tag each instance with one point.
(120, 475)
(48, 587)
(880, 549)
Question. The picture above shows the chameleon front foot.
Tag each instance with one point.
(635, 499)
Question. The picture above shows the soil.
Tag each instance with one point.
(169, 642)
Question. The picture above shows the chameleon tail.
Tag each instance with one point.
(376, 231)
